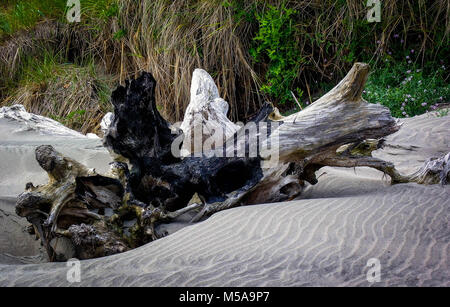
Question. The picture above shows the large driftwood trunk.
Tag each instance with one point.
(153, 182)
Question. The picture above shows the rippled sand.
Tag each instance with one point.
(323, 239)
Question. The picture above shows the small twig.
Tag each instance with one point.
(307, 88)
(295, 98)
(175, 214)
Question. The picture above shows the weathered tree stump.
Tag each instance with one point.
(152, 181)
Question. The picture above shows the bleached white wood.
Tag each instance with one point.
(205, 116)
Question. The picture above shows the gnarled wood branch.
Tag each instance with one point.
(151, 184)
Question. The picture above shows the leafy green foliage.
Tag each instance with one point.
(276, 46)
(408, 90)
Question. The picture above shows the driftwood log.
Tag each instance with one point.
(160, 168)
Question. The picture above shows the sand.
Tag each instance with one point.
(20, 133)
(323, 239)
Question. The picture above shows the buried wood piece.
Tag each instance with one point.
(297, 144)
(433, 171)
(268, 160)
(68, 199)
(318, 136)
(96, 213)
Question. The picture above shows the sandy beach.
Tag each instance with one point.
(325, 238)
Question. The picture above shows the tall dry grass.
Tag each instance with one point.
(172, 38)
(43, 36)
(76, 96)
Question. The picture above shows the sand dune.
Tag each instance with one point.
(323, 239)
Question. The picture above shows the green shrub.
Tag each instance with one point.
(408, 90)
(276, 46)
